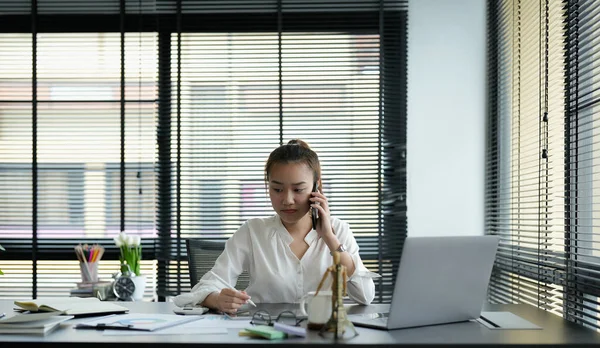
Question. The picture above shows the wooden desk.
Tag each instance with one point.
(555, 331)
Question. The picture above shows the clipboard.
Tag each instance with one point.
(142, 322)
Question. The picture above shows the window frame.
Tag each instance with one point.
(390, 25)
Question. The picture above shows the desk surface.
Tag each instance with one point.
(555, 331)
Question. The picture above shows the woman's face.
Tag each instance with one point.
(290, 185)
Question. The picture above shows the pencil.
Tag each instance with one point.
(80, 254)
(227, 285)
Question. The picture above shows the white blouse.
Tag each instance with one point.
(261, 246)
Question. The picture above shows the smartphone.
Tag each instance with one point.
(191, 310)
(315, 212)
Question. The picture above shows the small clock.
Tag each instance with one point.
(123, 286)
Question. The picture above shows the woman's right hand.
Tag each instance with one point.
(230, 300)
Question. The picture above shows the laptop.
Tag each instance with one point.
(440, 280)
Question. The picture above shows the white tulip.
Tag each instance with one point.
(130, 241)
(117, 241)
(123, 238)
(136, 241)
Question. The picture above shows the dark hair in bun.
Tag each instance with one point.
(295, 151)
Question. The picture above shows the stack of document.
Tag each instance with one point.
(35, 323)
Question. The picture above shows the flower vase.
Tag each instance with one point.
(140, 287)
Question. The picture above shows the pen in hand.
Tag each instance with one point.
(227, 285)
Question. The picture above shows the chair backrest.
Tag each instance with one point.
(202, 255)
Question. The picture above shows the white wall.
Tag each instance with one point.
(446, 117)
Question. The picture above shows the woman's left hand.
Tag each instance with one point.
(320, 203)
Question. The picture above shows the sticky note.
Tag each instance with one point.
(267, 332)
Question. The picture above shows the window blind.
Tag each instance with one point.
(238, 95)
(540, 171)
(581, 134)
(156, 118)
(68, 103)
(525, 170)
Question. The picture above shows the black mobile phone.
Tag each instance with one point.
(315, 212)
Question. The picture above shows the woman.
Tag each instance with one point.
(284, 256)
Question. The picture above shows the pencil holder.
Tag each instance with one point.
(89, 272)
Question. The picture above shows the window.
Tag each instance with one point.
(541, 175)
(160, 125)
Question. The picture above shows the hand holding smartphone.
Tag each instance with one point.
(315, 212)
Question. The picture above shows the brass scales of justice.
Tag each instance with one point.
(338, 321)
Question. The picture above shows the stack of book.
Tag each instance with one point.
(41, 316)
(32, 324)
(88, 289)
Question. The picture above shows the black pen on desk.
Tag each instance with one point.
(2, 315)
(227, 285)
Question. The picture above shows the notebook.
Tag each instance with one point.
(17, 318)
(71, 306)
(31, 327)
(440, 280)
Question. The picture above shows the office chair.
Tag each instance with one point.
(202, 255)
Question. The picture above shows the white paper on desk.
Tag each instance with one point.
(137, 321)
(206, 325)
(216, 320)
(184, 329)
